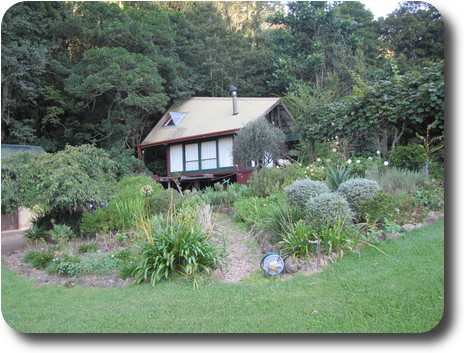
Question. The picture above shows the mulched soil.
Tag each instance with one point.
(242, 259)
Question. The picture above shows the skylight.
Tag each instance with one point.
(174, 118)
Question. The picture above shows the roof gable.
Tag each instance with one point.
(205, 116)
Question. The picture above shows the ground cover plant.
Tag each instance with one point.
(367, 292)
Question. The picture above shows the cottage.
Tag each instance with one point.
(193, 140)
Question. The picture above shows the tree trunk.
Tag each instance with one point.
(312, 150)
(398, 134)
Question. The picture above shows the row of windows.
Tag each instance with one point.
(212, 154)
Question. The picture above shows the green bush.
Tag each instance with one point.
(411, 157)
(35, 234)
(430, 197)
(357, 190)
(254, 210)
(297, 233)
(278, 216)
(325, 209)
(66, 265)
(393, 179)
(378, 208)
(87, 248)
(38, 259)
(62, 183)
(166, 199)
(65, 268)
(62, 233)
(339, 235)
(268, 181)
(103, 220)
(301, 191)
(175, 244)
(131, 186)
(218, 195)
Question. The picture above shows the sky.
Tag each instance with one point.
(381, 8)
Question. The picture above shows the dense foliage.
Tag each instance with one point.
(104, 72)
(259, 142)
(66, 180)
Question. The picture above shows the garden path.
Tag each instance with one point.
(242, 254)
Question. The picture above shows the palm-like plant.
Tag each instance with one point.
(35, 234)
(338, 175)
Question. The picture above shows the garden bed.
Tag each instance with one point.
(15, 262)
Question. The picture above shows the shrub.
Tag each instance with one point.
(62, 233)
(393, 179)
(127, 269)
(89, 247)
(131, 185)
(103, 220)
(268, 181)
(430, 197)
(38, 259)
(325, 209)
(65, 268)
(300, 191)
(357, 190)
(278, 217)
(297, 233)
(258, 141)
(66, 265)
(255, 211)
(378, 208)
(339, 235)
(166, 199)
(337, 175)
(410, 157)
(63, 183)
(35, 234)
(217, 195)
(175, 243)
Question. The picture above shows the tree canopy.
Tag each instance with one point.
(103, 73)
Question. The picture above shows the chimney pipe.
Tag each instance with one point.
(233, 90)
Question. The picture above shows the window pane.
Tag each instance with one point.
(191, 165)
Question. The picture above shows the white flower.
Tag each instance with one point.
(358, 161)
(349, 161)
(378, 152)
(370, 158)
(146, 190)
(385, 163)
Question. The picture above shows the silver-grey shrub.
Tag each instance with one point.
(325, 209)
(302, 190)
(357, 190)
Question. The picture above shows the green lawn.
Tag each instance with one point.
(370, 292)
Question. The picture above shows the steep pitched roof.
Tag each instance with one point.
(206, 116)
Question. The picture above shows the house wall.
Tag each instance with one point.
(211, 155)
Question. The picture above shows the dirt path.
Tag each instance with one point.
(242, 256)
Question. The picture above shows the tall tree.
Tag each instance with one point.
(121, 89)
(315, 44)
(27, 46)
(415, 34)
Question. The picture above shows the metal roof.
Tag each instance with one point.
(207, 116)
(11, 150)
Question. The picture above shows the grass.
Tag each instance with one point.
(367, 293)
